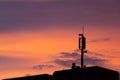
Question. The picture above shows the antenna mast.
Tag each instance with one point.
(83, 29)
(82, 46)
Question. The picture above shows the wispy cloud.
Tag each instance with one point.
(100, 40)
(68, 55)
(64, 63)
(95, 61)
(66, 59)
(13, 63)
(10, 60)
(43, 66)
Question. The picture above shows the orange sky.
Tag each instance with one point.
(41, 48)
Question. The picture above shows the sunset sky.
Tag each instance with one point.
(41, 36)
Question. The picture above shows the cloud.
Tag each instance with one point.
(100, 40)
(40, 67)
(65, 54)
(95, 61)
(66, 59)
(10, 63)
(10, 60)
(65, 63)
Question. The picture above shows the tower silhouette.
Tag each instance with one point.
(82, 46)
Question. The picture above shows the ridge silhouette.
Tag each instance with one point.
(76, 73)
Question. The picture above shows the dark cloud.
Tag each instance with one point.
(17, 16)
(65, 63)
(40, 67)
(76, 58)
(100, 40)
(95, 61)
(65, 54)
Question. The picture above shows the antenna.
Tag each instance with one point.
(83, 29)
(82, 46)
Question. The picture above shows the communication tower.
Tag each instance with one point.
(82, 46)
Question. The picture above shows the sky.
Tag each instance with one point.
(41, 36)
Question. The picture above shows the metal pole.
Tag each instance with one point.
(82, 58)
(82, 50)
